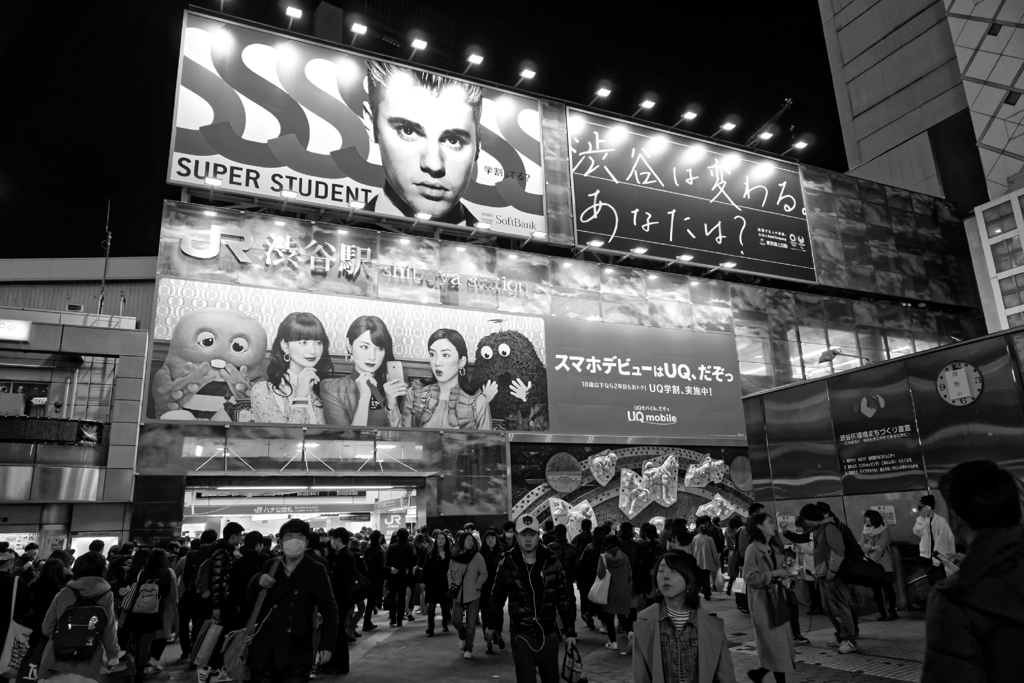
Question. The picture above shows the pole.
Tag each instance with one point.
(106, 262)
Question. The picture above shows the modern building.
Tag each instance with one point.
(928, 93)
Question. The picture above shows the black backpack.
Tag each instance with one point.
(79, 629)
(853, 548)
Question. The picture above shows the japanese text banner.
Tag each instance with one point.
(610, 379)
(636, 188)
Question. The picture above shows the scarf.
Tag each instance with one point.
(872, 531)
(465, 557)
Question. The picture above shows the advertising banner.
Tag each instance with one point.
(266, 115)
(637, 188)
(631, 381)
(876, 431)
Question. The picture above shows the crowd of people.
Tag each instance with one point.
(645, 590)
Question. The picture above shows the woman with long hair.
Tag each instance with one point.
(874, 541)
(446, 400)
(467, 574)
(152, 578)
(435, 581)
(615, 562)
(366, 397)
(674, 633)
(587, 572)
(51, 578)
(491, 552)
(299, 358)
(762, 567)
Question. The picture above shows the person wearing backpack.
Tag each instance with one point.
(829, 553)
(144, 617)
(193, 609)
(78, 645)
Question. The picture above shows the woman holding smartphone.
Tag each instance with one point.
(366, 398)
(299, 358)
(445, 399)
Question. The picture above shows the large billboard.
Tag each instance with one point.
(266, 115)
(279, 321)
(673, 197)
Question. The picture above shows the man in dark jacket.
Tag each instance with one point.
(222, 556)
(530, 577)
(343, 574)
(297, 588)
(836, 594)
(22, 601)
(377, 573)
(580, 541)
(975, 626)
(565, 552)
(243, 569)
(399, 561)
(193, 609)
(507, 540)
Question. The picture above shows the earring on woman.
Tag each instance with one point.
(462, 371)
(287, 357)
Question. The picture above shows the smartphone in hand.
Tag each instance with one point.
(395, 370)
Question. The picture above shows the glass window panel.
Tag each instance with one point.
(787, 374)
(1019, 279)
(1016, 260)
(811, 353)
(1007, 284)
(753, 349)
(899, 345)
(812, 331)
(1015, 320)
(1002, 264)
(870, 338)
(873, 355)
(926, 341)
(1011, 299)
(991, 214)
(818, 371)
(786, 353)
(1000, 248)
(844, 337)
(755, 369)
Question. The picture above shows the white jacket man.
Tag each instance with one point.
(934, 532)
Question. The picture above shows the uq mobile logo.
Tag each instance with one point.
(650, 418)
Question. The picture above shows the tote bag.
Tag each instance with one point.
(16, 644)
(778, 610)
(236, 643)
(599, 591)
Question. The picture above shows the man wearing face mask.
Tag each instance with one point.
(297, 587)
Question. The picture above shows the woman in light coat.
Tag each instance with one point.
(762, 565)
(707, 559)
(467, 574)
(874, 541)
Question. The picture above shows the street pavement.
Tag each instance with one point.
(887, 651)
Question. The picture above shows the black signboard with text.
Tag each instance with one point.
(635, 187)
(876, 431)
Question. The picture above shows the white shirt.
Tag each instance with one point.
(935, 535)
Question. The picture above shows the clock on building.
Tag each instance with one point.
(960, 383)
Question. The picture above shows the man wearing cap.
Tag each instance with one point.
(936, 536)
(531, 578)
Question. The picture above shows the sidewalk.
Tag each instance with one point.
(887, 651)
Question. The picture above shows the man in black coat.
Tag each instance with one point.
(343, 574)
(243, 569)
(377, 573)
(297, 588)
(399, 561)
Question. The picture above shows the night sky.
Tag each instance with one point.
(88, 91)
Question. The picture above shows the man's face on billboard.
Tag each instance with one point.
(428, 143)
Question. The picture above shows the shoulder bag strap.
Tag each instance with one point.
(14, 596)
(250, 627)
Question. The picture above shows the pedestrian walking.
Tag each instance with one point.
(435, 581)
(975, 629)
(342, 575)
(399, 561)
(51, 579)
(614, 561)
(492, 553)
(530, 577)
(706, 554)
(298, 588)
(732, 550)
(936, 537)
(586, 571)
(763, 572)
(874, 541)
(377, 573)
(153, 584)
(193, 609)
(829, 553)
(467, 574)
(675, 640)
(650, 551)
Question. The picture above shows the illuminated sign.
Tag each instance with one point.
(265, 115)
(672, 196)
(15, 330)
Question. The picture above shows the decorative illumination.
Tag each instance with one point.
(690, 115)
(209, 213)
(728, 125)
(567, 264)
(358, 29)
(639, 250)
(800, 145)
(513, 256)
(685, 257)
(766, 135)
(618, 134)
(729, 264)
(404, 240)
(527, 74)
(422, 216)
(419, 44)
(694, 154)
(288, 194)
(279, 223)
(652, 276)
(460, 249)
(646, 104)
(609, 270)
(603, 92)
(293, 12)
(216, 182)
(474, 59)
(357, 205)
(694, 283)
(595, 243)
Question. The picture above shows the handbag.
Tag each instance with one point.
(454, 590)
(739, 586)
(127, 602)
(599, 591)
(778, 610)
(28, 672)
(572, 664)
(861, 572)
(206, 642)
(360, 588)
(236, 643)
(16, 643)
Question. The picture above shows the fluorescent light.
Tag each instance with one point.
(728, 125)
(567, 264)
(460, 249)
(422, 216)
(513, 256)
(357, 205)
(729, 264)
(603, 92)
(765, 135)
(360, 487)
(358, 29)
(609, 270)
(474, 59)
(279, 223)
(216, 182)
(652, 276)
(685, 257)
(800, 145)
(288, 194)
(694, 283)
(419, 44)
(343, 232)
(639, 250)
(595, 243)
(646, 104)
(209, 213)
(293, 12)
(262, 488)
(482, 226)
(404, 240)
(539, 234)
(690, 115)
(527, 73)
